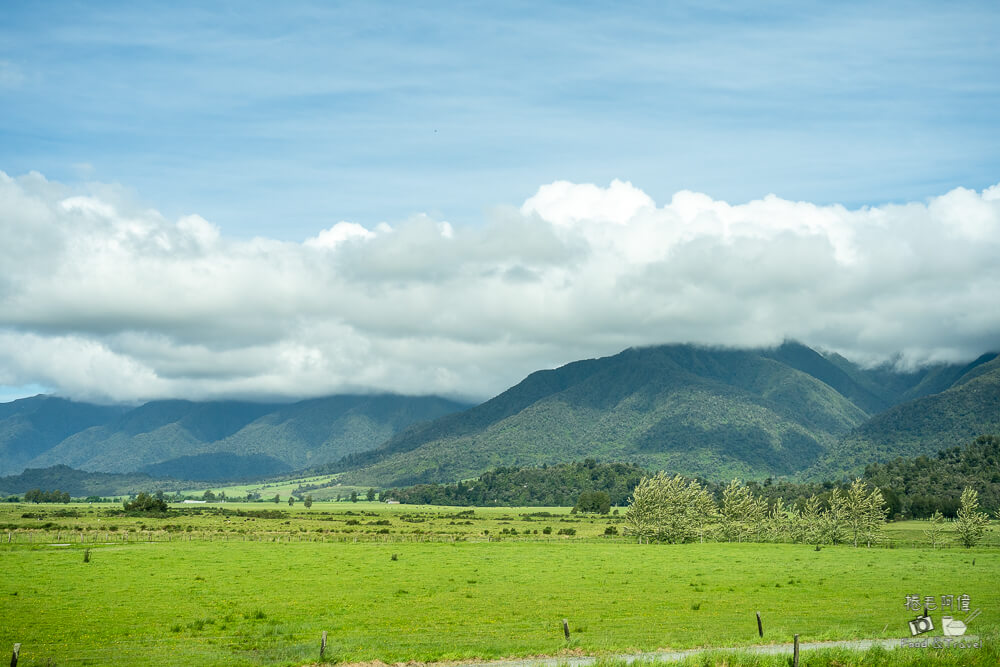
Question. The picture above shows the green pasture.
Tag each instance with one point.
(246, 590)
(324, 521)
(328, 488)
(332, 521)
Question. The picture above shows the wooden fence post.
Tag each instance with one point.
(566, 628)
(322, 647)
(13, 658)
(760, 626)
(795, 652)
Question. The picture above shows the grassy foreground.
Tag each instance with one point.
(222, 586)
(267, 603)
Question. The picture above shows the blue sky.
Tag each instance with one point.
(277, 200)
(281, 119)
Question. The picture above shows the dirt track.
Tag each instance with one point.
(676, 656)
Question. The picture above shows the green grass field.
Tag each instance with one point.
(259, 591)
(328, 488)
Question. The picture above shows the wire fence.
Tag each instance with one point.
(71, 537)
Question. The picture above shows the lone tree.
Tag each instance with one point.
(936, 529)
(971, 523)
(598, 502)
(308, 502)
(146, 503)
(370, 495)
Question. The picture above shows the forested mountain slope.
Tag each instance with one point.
(177, 437)
(970, 407)
(787, 411)
(30, 426)
(694, 410)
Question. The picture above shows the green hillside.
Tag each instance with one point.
(80, 484)
(176, 437)
(31, 426)
(967, 409)
(699, 411)
(718, 413)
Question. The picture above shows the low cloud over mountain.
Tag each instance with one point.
(103, 299)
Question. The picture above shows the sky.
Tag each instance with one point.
(281, 200)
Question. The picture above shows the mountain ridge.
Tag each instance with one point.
(696, 410)
(173, 433)
(786, 411)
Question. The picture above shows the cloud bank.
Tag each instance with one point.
(103, 299)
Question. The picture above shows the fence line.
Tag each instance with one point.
(42, 537)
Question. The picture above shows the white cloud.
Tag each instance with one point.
(339, 233)
(563, 203)
(103, 299)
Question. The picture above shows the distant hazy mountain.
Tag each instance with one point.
(185, 439)
(78, 483)
(712, 412)
(31, 426)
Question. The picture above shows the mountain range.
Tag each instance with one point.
(716, 413)
(787, 411)
(204, 440)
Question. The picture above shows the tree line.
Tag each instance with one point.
(39, 496)
(544, 486)
(911, 488)
(677, 510)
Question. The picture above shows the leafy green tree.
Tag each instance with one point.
(864, 512)
(598, 502)
(370, 495)
(705, 510)
(644, 506)
(809, 522)
(354, 496)
(833, 520)
(308, 502)
(291, 501)
(876, 512)
(742, 512)
(778, 522)
(146, 503)
(208, 496)
(276, 499)
(669, 509)
(935, 530)
(971, 523)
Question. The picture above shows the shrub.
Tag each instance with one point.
(147, 503)
(593, 501)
